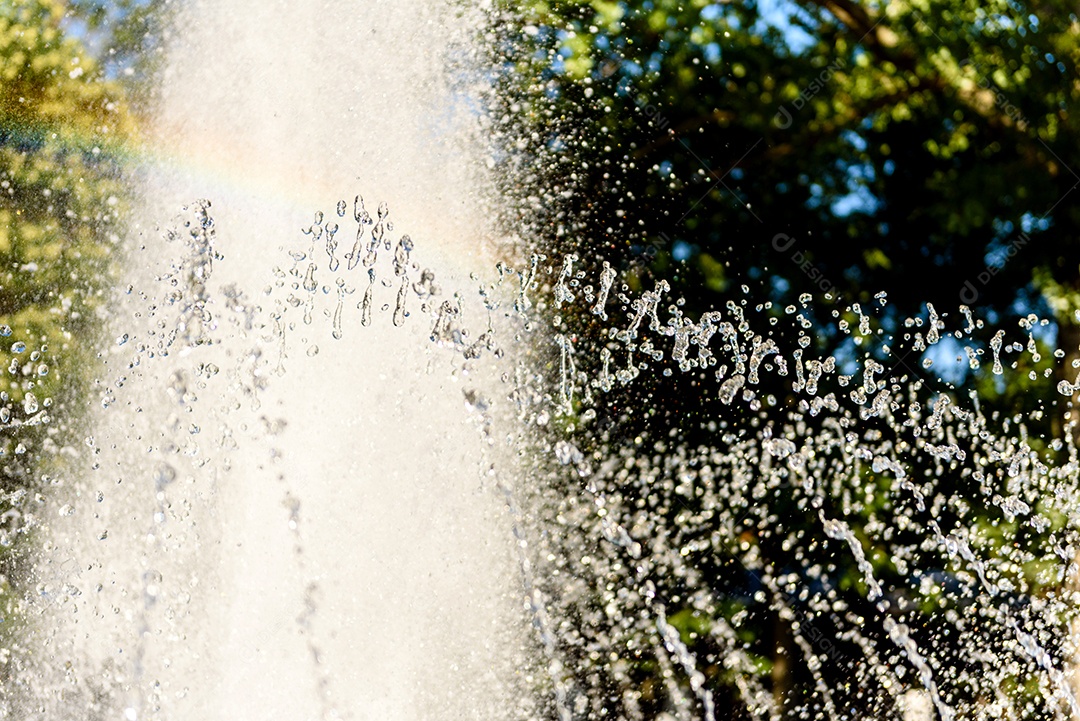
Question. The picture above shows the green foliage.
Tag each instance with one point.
(919, 139)
(930, 150)
(64, 130)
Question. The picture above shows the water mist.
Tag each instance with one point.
(279, 509)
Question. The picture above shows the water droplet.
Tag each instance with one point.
(567, 453)
(310, 284)
(164, 474)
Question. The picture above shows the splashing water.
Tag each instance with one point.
(271, 514)
(336, 472)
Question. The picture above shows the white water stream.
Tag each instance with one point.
(281, 524)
